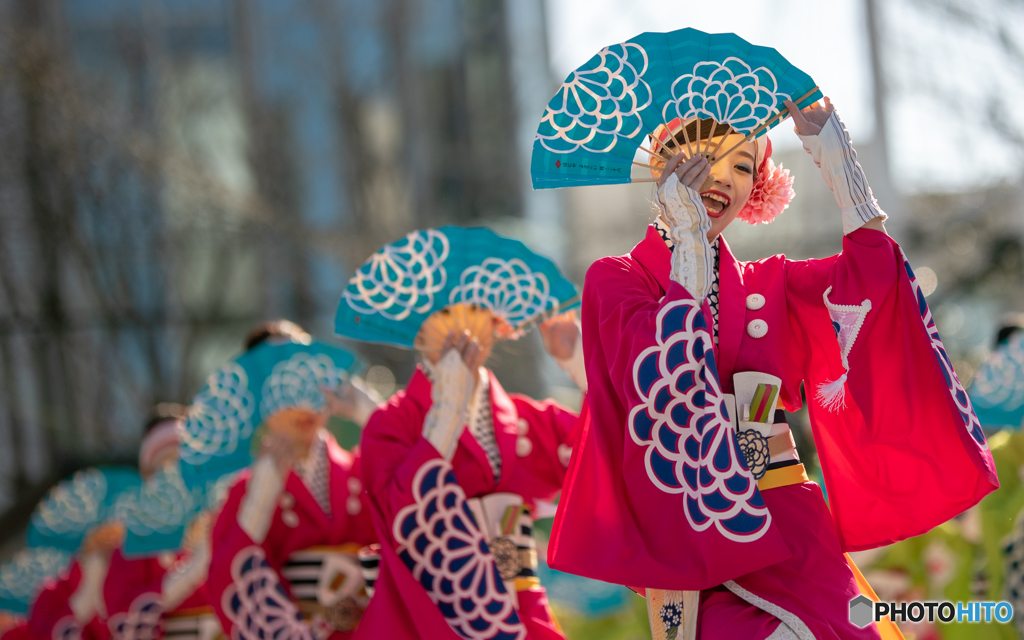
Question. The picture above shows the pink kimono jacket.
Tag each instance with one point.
(658, 494)
(245, 585)
(132, 593)
(51, 618)
(437, 574)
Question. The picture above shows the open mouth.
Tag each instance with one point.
(715, 202)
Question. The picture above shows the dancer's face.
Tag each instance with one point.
(733, 182)
(301, 425)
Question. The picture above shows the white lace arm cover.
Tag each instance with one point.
(451, 392)
(688, 217)
(87, 600)
(182, 581)
(574, 365)
(260, 500)
(834, 154)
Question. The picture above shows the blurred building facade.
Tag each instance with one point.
(176, 171)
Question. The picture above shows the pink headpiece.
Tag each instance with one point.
(772, 193)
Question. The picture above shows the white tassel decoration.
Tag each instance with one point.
(832, 395)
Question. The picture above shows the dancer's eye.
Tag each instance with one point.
(745, 168)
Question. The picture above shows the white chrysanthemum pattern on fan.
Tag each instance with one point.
(21, 576)
(401, 278)
(298, 383)
(728, 92)
(683, 425)
(999, 381)
(72, 506)
(507, 287)
(599, 102)
(161, 505)
(220, 416)
(144, 619)
(441, 544)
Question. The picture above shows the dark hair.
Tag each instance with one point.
(1005, 332)
(273, 329)
(163, 412)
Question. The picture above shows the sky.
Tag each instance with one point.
(921, 54)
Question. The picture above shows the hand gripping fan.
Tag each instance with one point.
(76, 505)
(998, 388)
(450, 278)
(23, 575)
(604, 111)
(242, 394)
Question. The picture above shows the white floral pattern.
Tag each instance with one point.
(73, 505)
(729, 92)
(220, 416)
(143, 620)
(1000, 379)
(683, 425)
(257, 604)
(21, 576)
(956, 390)
(299, 382)
(442, 545)
(507, 287)
(402, 277)
(161, 505)
(599, 102)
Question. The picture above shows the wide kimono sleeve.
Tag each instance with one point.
(437, 576)
(243, 588)
(132, 594)
(657, 494)
(546, 431)
(900, 447)
(51, 617)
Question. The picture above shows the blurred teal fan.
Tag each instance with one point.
(593, 126)
(157, 513)
(997, 391)
(401, 285)
(23, 575)
(76, 505)
(243, 393)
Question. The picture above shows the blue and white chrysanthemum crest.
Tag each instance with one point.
(22, 575)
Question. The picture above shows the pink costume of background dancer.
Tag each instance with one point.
(427, 456)
(661, 492)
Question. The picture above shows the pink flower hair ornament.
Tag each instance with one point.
(772, 192)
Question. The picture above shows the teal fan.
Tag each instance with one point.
(997, 391)
(473, 276)
(604, 111)
(75, 505)
(23, 575)
(242, 394)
